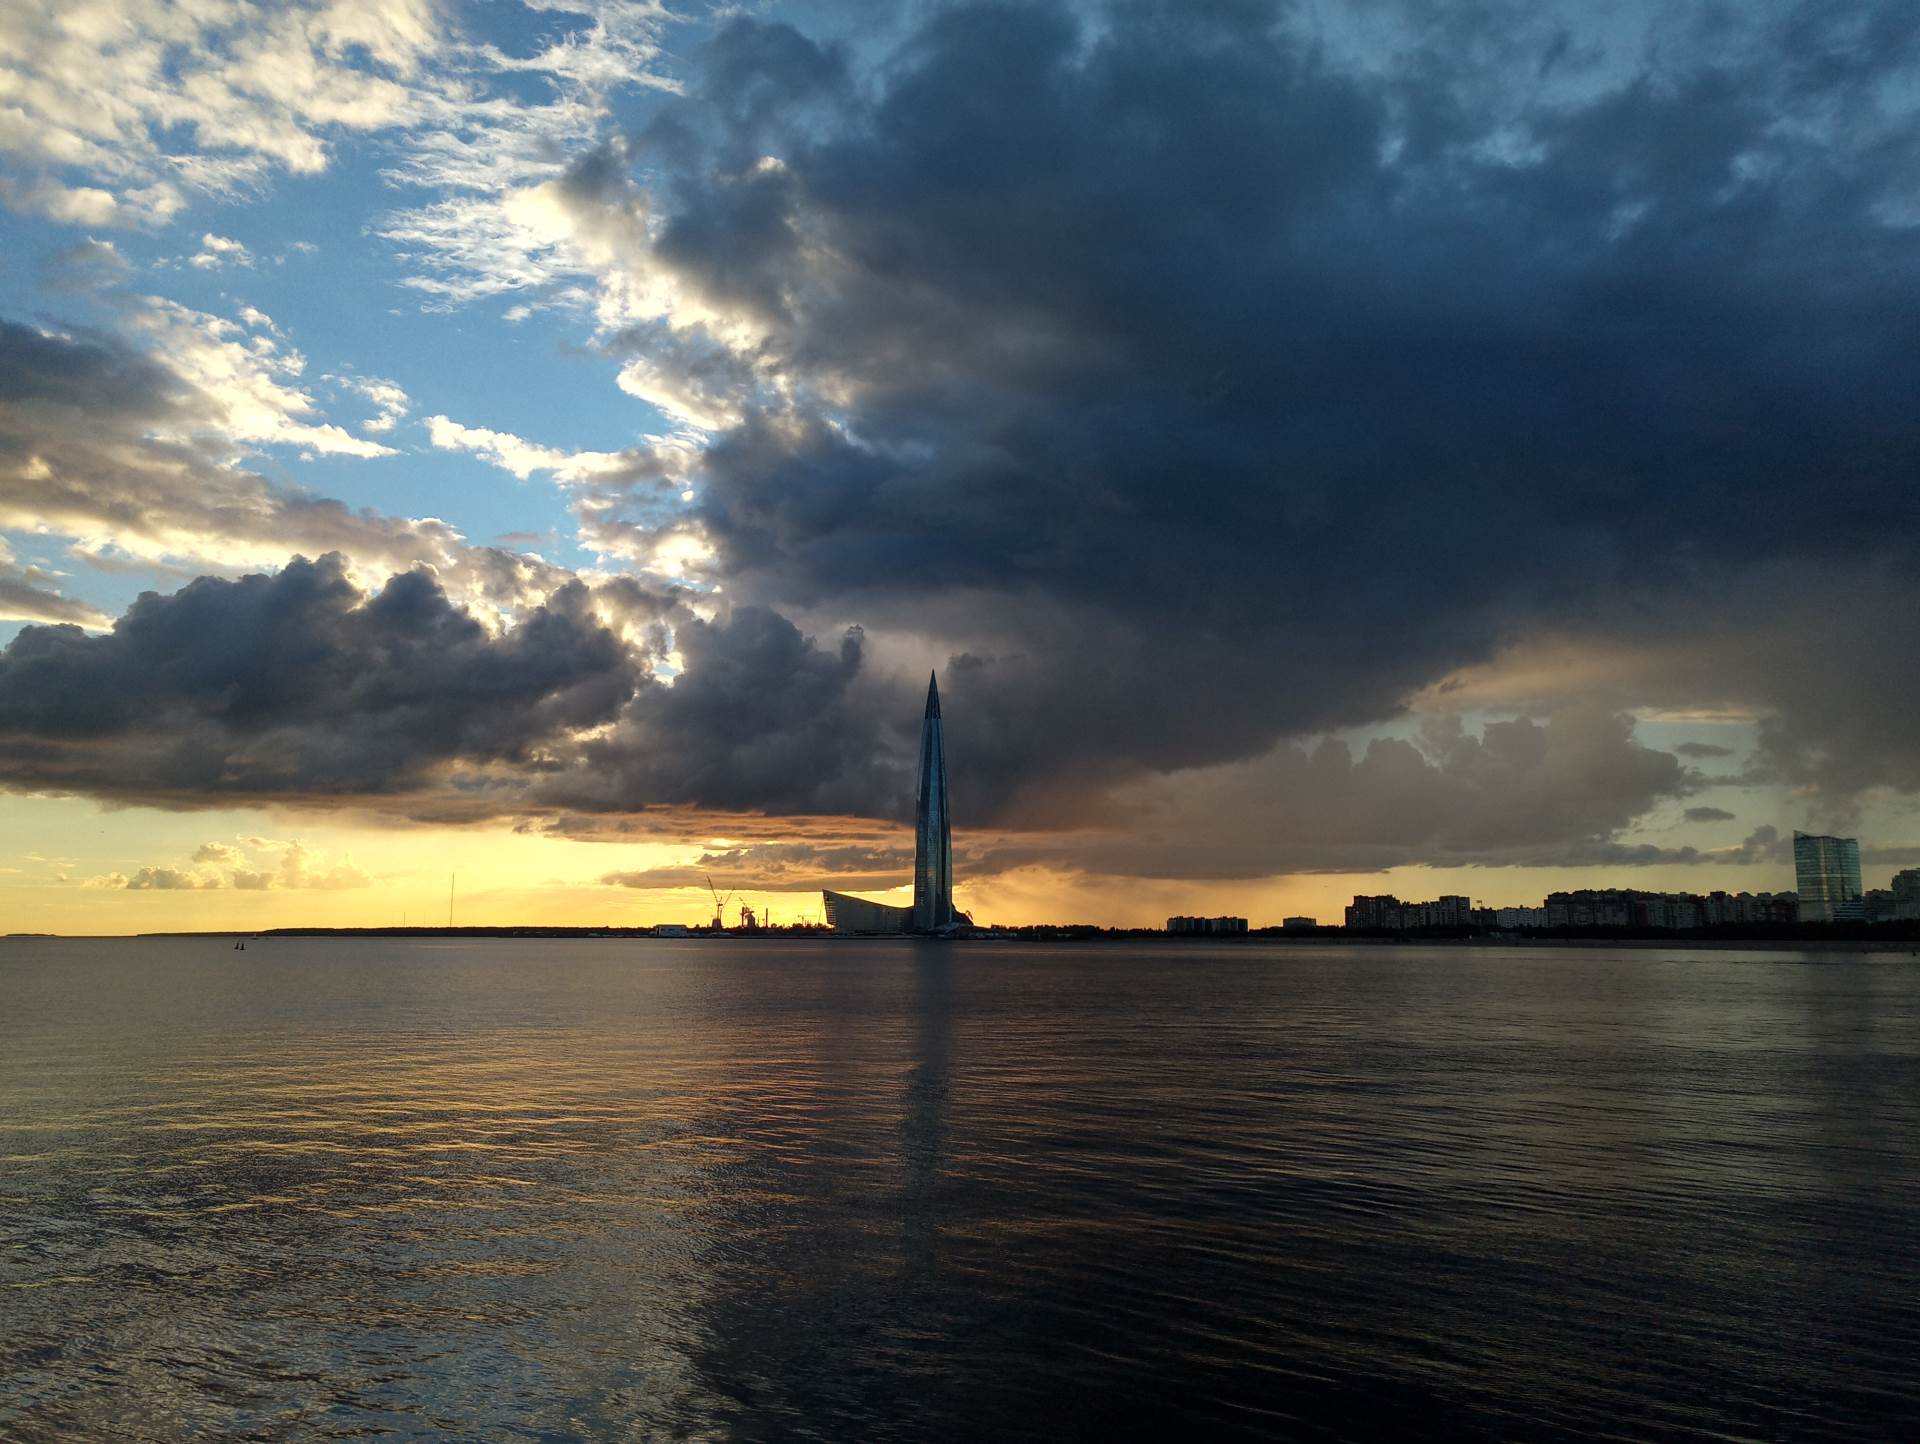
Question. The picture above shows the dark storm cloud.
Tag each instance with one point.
(1206, 390)
(761, 718)
(298, 685)
(1708, 814)
(1699, 750)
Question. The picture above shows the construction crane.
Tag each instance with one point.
(719, 904)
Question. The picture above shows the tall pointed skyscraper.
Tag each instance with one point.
(932, 910)
(932, 832)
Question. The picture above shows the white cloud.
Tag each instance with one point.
(390, 401)
(248, 378)
(679, 395)
(628, 505)
(218, 251)
(146, 101)
(71, 205)
(660, 457)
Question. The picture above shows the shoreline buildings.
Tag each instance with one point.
(932, 910)
(1206, 927)
(1387, 911)
(1827, 876)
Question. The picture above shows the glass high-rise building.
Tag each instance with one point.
(932, 910)
(1827, 871)
(932, 833)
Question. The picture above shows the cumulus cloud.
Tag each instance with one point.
(164, 879)
(217, 252)
(299, 686)
(257, 864)
(760, 718)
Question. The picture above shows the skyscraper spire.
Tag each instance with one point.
(932, 833)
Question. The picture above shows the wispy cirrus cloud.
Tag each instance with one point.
(118, 116)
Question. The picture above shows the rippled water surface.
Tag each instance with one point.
(868, 1191)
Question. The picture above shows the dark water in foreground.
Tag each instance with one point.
(608, 1189)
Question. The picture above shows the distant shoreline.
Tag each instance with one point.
(1910, 941)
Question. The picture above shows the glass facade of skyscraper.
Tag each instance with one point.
(1827, 872)
(933, 910)
(932, 833)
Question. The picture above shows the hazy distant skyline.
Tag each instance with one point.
(1322, 448)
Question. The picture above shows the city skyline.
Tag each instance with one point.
(1335, 451)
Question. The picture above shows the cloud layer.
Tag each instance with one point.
(1186, 381)
(1197, 389)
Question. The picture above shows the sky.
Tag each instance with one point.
(535, 450)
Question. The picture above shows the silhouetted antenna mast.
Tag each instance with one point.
(450, 878)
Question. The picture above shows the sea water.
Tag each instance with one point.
(613, 1189)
